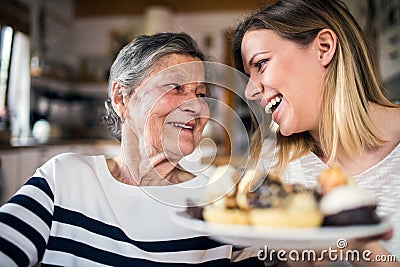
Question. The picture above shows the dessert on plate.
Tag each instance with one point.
(272, 204)
(336, 201)
(343, 203)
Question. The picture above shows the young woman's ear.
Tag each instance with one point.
(326, 42)
(117, 99)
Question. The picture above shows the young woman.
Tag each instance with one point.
(311, 68)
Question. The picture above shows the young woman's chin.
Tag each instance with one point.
(287, 129)
(289, 124)
(285, 133)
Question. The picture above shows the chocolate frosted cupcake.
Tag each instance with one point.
(348, 205)
(342, 203)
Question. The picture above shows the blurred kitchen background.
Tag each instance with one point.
(55, 56)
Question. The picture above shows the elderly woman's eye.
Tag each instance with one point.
(175, 86)
(201, 91)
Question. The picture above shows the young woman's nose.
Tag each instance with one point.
(253, 91)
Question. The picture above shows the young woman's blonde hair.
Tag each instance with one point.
(350, 82)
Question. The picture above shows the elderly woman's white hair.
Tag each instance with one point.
(136, 61)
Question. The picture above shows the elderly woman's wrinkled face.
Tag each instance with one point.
(169, 107)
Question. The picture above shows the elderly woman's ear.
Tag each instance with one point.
(118, 99)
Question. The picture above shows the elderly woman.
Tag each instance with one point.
(81, 210)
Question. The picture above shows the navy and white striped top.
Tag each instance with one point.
(72, 212)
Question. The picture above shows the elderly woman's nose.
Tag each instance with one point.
(253, 91)
(193, 106)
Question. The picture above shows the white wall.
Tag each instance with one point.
(92, 35)
(214, 24)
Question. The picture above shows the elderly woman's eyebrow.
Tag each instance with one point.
(182, 77)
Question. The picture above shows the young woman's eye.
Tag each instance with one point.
(260, 64)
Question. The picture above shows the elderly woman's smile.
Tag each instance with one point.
(182, 125)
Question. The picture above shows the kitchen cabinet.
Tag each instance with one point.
(28, 161)
(8, 169)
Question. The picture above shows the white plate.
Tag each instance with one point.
(281, 238)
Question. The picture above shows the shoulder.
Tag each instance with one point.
(68, 163)
(393, 122)
(387, 120)
(396, 119)
(74, 159)
(72, 172)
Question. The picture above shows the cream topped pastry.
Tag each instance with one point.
(342, 203)
(221, 187)
(221, 193)
(345, 198)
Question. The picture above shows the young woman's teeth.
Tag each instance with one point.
(181, 125)
(273, 102)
